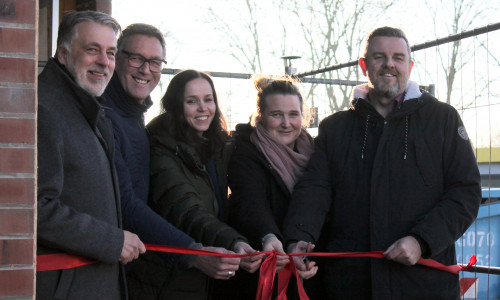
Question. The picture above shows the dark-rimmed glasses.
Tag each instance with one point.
(137, 61)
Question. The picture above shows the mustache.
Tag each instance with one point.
(389, 71)
(103, 71)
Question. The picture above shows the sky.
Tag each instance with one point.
(192, 42)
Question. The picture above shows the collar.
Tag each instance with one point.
(117, 98)
(89, 105)
(412, 91)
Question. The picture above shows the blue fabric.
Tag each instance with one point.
(212, 173)
(132, 164)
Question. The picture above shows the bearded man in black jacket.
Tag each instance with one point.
(395, 172)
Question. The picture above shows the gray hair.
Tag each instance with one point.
(142, 29)
(69, 22)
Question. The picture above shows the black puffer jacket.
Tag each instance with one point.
(380, 180)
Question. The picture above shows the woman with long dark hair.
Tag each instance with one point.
(190, 151)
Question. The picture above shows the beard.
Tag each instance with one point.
(388, 91)
(79, 74)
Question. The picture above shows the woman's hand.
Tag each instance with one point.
(249, 263)
(215, 266)
(273, 243)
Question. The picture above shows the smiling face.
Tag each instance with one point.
(90, 58)
(138, 83)
(199, 104)
(387, 65)
(282, 118)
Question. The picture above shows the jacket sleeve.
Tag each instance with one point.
(459, 205)
(176, 199)
(59, 226)
(312, 195)
(250, 210)
(138, 217)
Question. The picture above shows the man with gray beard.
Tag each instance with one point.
(78, 208)
(395, 172)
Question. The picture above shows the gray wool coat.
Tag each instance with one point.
(77, 193)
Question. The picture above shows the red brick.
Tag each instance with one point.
(18, 11)
(16, 100)
(16, 251)
(17, 40)
(17, 160)
(16, 283)
(16, 221)
(19, 131)
(17, 191)
(17, 70)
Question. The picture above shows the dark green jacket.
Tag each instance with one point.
(181, 191)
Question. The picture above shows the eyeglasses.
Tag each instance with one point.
(137, 61)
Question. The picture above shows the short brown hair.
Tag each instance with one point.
(141, 29)
(387, 32)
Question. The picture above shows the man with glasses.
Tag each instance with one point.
(140, 59)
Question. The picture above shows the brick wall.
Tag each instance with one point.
(18, 69)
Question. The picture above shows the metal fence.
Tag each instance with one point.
(461, 69)
(474, 90)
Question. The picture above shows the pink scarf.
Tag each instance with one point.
(288, 163)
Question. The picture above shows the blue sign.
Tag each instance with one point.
(481, 240)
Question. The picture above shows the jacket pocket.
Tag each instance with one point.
(64, 284)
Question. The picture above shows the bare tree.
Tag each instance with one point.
(461, 16)
(323, 32)
(245, 43)
(334, 31)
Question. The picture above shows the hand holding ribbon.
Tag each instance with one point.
(267, 272)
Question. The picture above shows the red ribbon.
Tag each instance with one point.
(59, 261)
(268, 271)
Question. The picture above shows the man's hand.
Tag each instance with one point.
(250, 263)
(406, 251)
(305, 268)
(217, 267)
(273, 243)
(132, 247)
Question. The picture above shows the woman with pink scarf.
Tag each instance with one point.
(268, 158)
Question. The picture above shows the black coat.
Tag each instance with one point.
(259, 197)
(78, 202)
(377, 180)
(257, 206)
